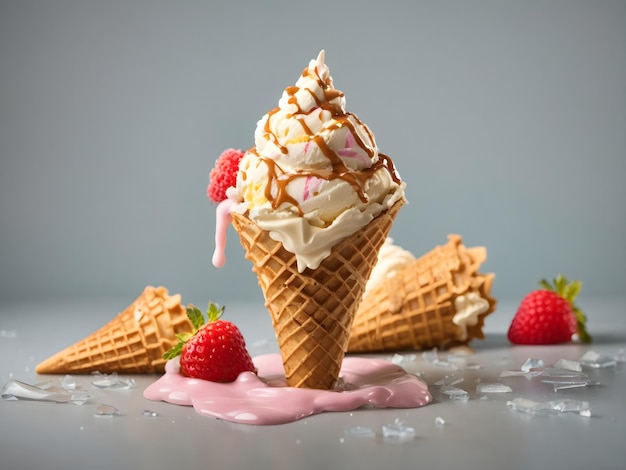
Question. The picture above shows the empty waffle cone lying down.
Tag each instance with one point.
(438, 300)
(132, 343)
(312, 311)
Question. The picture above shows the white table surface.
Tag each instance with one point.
(480, 434)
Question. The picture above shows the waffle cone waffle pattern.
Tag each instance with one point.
(132, 343)
(312, 311)
(414, 309)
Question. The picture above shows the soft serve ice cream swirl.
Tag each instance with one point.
(315, 175)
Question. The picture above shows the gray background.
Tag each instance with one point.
(506, 119)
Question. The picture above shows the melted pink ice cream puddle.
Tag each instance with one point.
(266, 398)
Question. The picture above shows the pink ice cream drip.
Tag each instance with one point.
(223, 218)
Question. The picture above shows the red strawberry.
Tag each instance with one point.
(224, 174)
(549, 316)
(215, 351)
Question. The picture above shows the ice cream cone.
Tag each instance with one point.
(439, 300)
(133, 342)
(312, 311)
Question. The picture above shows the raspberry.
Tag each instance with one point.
(224, 174)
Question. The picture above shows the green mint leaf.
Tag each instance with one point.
(195, 316)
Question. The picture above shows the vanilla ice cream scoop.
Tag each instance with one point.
(315, 175)
(310, 128)
(391, 259)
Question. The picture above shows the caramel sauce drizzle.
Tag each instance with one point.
(279, 179)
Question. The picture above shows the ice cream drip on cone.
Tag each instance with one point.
(437, 300)
(131, 343)
(313, 204)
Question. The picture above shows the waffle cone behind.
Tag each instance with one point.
(312, 311)
(415, 308)
(132, 343)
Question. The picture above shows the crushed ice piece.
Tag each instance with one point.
(451, 379)
(563, 383)
(8, 334)
(532, 363)
(112, 381)
(397, 359)
(567, 364)
(439, 421)
(403, 359)
(398, 431)
(150, 413)
(68, 383)
(597, 360)
(16, 390)
(44, 385)
(457, 359)
(565, 386)
(556, 372)
(359, 431)
(342, 386)
(79, 397)
(432, 356)
(445, 364)
(563, 380)
(518, 373)
(476, 366)
(106, 411)
(547, 407)
(493, 388)
(455, 394)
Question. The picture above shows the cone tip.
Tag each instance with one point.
(52, 365)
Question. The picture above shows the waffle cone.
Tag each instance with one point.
(415, 308)
(312, 311)
(132, 343)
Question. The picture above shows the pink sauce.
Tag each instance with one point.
(349, 150)
(222, 220)
(266, 399)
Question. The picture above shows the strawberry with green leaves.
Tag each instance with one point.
(549, 316)
(214, 351)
